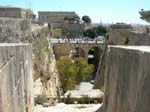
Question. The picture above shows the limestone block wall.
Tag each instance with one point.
(127, 79)
(16, 79)
(22, 31)
(118, 37)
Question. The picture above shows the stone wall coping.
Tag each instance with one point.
(14, 44)
(139, 48)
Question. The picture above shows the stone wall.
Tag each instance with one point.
(73, 30)
(127, 79)
(118, 37)
(16, 80)
(22, 31)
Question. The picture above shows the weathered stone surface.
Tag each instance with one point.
(73, 30)
(53, 89)
(99, 80)
(16, 80)
(118, 37)
(13, 30)
(127, 79)
(22, 31)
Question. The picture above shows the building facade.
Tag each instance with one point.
(16, 12)
(54, 18)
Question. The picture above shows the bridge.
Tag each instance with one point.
(90, 50)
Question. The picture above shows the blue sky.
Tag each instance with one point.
(110, 11)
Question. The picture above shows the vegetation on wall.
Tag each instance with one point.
(72, 73)
(57, 32)
(40, 99)
(42, 58)
(126, 40)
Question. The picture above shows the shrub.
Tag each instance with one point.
(126, 40)
(69, 100)
(87, 100)
(40, 99)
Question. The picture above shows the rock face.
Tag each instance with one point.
(16, 80)
(22, 31)
(127, 79)
(52, 89)
(14, 30)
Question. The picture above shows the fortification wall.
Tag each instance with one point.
(16, 80)
(127, 79)
(22, 31)
(119, 37)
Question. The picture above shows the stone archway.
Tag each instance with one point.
(64, 50)
(76, 53)
(94, 55)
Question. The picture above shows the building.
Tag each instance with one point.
(16, 12)
(54, 18)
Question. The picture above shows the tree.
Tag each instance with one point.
(72, 18)
(66, 71)
(72, 73)
(82, 69)
(86, 19)
(89, 33)
(145, 15)
(95, 31)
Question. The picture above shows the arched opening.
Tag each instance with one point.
(76, 53)
(94, 55)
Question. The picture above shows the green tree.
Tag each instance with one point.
(82, 69)
(66, 71)
(145, 15)
(72, 73)
(89, 33)
(86, 19)
(72, 18)
(95, 31)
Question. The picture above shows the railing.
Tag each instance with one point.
(76, 41)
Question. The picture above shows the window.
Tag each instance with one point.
(47, 17)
